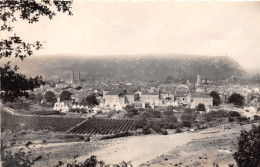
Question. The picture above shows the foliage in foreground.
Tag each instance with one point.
(248, 153)
(14, 85)
(26, 159)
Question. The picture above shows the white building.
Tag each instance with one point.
(63, 106)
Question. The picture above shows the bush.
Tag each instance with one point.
(146, 130)
(65, 95)
(178, 130)
(216, 98)
(201, 107)
(236, 99)
(234, 114)
(91, 100)
(164, 132)
(230, 119)
(133, 111)
(118, 135)
(248, 153)
(188, 116)
(49, 96)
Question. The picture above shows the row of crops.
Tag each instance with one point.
(57, 124)
(102, 126)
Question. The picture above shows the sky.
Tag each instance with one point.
(139, 28)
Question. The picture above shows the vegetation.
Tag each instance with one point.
(13, 84)
(58, 123)
(35, 97)
(201, 107)
(248, 153)
(17, 159)
(236, 99)
(93, 162)
(91, 100)
(78, 88)
(118, 135)
(146, 130)
(221, 114)
(216, 98)
(78, 110)
(188, 117)
(50, 96)
(104, 126)
(65, 95)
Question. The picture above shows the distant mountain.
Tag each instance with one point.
(143, 68)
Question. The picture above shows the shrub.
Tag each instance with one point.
(146, 130)
(188, 116)
(178, 130)
(65, 95)
(164, 132)
(133, 111)
(234, 114)
(118, 135)
(201, 107)
(91, 100)
(186, 124)
(49, 96)
(248, 153)
(216, 98)
(230, 119)
(236, 99)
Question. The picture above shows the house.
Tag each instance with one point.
(130, 98)
(196, 98)
(63, 106)
(114, 100)
(167, 95)
(150, 98)
(180, 97)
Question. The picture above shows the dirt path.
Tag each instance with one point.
(140, 149)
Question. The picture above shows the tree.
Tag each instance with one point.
(201, 107)
(14, 84)
(133, 111)
(128, 107)
(49, 96)
(169, 108)
(236, 99)
(248, 153)
(91, 100)
(216, 98)
(65, 95)
(78, 87)
(188, 117)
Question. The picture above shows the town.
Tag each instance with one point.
(77, 110)
(116, 96)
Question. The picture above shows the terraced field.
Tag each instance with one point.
(103, 126)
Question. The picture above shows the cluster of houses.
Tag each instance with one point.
(115, 96)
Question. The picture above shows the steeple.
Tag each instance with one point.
(79, 77)
(72, 77)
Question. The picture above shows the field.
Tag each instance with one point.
(104, 126)
(52, 123)
(202, 148)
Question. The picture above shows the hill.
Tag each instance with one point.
(143, 68)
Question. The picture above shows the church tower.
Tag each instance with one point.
(198, 80)
(79, 79)
(72, 77)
